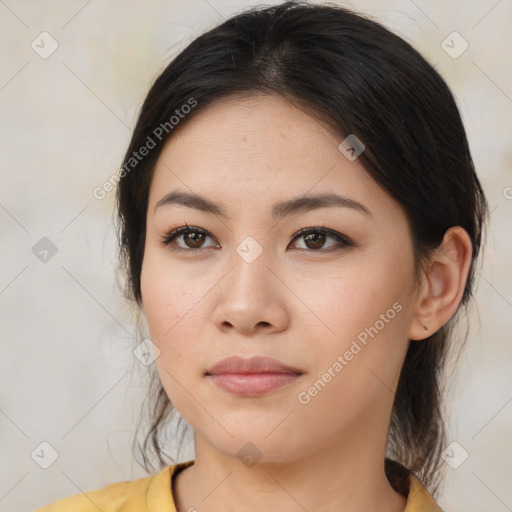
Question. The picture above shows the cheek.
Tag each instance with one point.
(168, 296)
(355, 369)
(366, 309)
(172, 308)
(351, 299)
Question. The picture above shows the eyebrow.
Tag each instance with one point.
(279, 210)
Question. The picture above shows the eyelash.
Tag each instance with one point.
(341, 239)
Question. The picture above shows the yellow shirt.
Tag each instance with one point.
(153, 494)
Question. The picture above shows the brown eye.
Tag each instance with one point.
(315, 239)
(187, 239)
(194, 239)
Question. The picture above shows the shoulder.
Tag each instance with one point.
(127, 496)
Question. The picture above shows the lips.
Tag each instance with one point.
(256, 364)
(252, 377)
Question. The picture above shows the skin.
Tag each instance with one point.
(299, 301)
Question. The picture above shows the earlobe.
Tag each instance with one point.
(442, 284)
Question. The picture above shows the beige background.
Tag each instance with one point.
(67, 335)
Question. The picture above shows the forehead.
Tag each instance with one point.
(258, 146)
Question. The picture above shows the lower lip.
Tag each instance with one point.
(253, 384)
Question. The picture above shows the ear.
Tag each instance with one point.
(442, 284)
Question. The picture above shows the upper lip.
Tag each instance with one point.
(256, 364)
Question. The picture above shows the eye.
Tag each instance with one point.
(315, 239)
(191, 238)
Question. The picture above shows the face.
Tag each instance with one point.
(324, 286)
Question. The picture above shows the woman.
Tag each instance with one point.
(299, 221)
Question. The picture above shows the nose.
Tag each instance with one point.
(251, 299)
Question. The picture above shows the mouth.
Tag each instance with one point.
(253, 384)
(252, 377)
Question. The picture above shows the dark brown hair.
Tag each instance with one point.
(361, 79)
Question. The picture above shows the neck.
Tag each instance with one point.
(347, 476)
